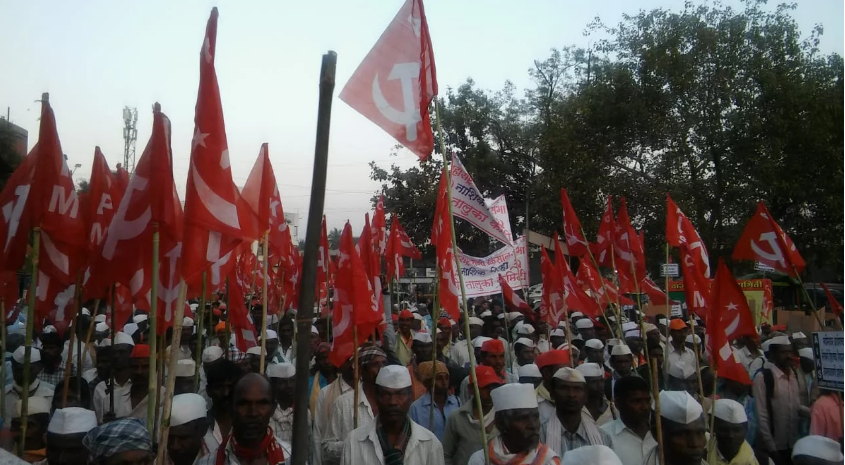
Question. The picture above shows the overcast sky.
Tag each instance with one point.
(95, 57)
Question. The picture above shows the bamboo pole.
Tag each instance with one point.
(200, 319)
(153, 378)
(114, 336)
(356, 374)
(91, 326)
(78, 303)
(668, 315)
(472, 361)
(604, 289)
(264, 301)
(655, 391)
(178, 314)
(159, 379)
(435, 317)
(618, 309)
(697, 356)
(639, 317)
(30, 320)
(712, 441)
(69, 362)
(3, 366)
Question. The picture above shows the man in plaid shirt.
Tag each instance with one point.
(51, 357)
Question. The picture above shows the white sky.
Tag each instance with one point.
(97, 56)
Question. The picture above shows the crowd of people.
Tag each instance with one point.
(576, 393)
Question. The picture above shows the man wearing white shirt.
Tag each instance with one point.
(631, 433)
(460, 350)
(678, 351)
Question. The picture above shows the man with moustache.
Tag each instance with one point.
(188, 424)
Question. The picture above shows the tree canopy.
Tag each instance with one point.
(717, 107)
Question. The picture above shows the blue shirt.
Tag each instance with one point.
(421, 413)
(323, 382)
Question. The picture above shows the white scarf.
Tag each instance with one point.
(554, 432)
(502, 454)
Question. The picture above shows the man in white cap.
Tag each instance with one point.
(557, 338)
(185, 372)
(53, 370)
(806, 371)
(400, 440)
(286, 345)
(188, 425)
(272, 346)
(38, 417)
(405, 337)
(422, 347)
(325, 401)
(597, 404)
(631, 432)
(594, 351)
(622, 363)
(817, 450)
(530, 374)
(37, 388)
(683, 427)
(571, 426)
(799, 341)
(185, 347)
(586, 328)
(341, 419)
(518, 423)
(65, 432)
(121, 351)
(524, 351)
(460, 350)
(101, 331)
(282, 379)
(592, 455)
(777, 398)
(730, 428)
(222, 375)
(252, 360)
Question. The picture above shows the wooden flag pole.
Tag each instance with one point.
(697, 356)
(114, 336)
(153, 377)
(639, 317)
(712, 441)
(472, 361)
(170, 381)
(668, 314)
(85, 348)
(655, 392)
(30, 320)
(200, 320)
(435, 317)
(810, 300)
(356, 374)
(604, 289)
(264, 302)
(3, 344)
(309, 262)
(618, 310)
(69, 362)
(77, 297)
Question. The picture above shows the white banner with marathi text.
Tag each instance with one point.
(468, 204)
(481, 275)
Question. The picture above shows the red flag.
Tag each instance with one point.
(630, 255)
(603, 290)
(551, 303)
(122, 177)
(679, 230)
(730, 316)
(17, 216)
(239, 317)
(122, 306)
(396, 82)
(574, 297)
(834, 304)
(9, 289)
(379, 228)
(576, 244)
(217, 217)
(764, 241)
(441, 237)
(514, 301)
(323, 261)
(606, 236)
(355, 303)
(365, 250)
(262, 194)
(104, 196)
(405, 246)
(654, 293)
(392, 257)
(696, 286)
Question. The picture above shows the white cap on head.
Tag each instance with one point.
(526, 329)
(819, 447)
(254, 350)
(765, 345)
(130, 328)
(592, 455)
(629, 325)
(185, 368)
(584, 323)
(633, 333)
(591, 370)
(525, 341)
(101, 318)
(18, 355)
(501, 316)
(479, 341)
(140, 318)
(806, 352)
(558, 332)
(281, 370)
(691, 337)
(35, 406)
(187, 408)
(418, 317)
(620, 349)
(474, 320)
(679, 406)
(570, 375)
(72, 420)
(393, 377)
(49, 329)
(681, 370)
(730, 411)
(211, 353)
(561, 324)
(663, 321)
(86, 312)
(101, 328)
(799, 335)
(577, 337)
(779, 341)
(514, 315)
(194, 307)
(104, 343)
(314, 330)
(513, 396)
(272, 334)
(594, 344)
(612, 342)
(529, 370)
(486, 314)
(423, 337)
(122, 338)
(576, 315)
(187, 322)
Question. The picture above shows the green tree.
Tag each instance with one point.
(334, 238)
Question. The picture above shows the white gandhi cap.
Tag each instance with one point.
(591, 370)
(186, 408)
(570, 375)
(679, 406)
(474, 320)
(513, 396)
(595, 344)
(254, 350)
(558, 332)
(620, 350)
(681, 370)
(479, 341)
(101, 318)
(584, 323)
(526, 342)
(130, 328)
(730, 411)
(529, 370)
(806, 352)
(394, 377)
(187, 322)
(272, 334)
(36, 405)
(422, 337)
(122, 338)
(819, 447)
(101, 327)
(18, 355)
(592, 455)
(185, 368)
(72, 420)
(211, 354)
(281, 370)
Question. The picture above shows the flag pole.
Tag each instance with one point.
(309, 262)
(604, 288)
(175, 343)
(436, 316)
(697, 356)
(639, 311)
(85, 348)
(668, 312)
(113, 336)
(69, 362)
(472, 362)
(810, 301)
(3, 344)
(200, 318)
(226, 351)
(355, 374)
(153, 377)
(77, 297)
(30, 320)
(264, 301)
(712, 441)
(655, 392)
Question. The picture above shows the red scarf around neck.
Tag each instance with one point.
(275, 454)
